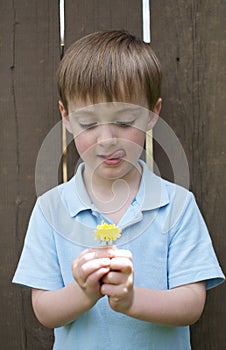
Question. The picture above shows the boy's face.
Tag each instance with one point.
(109, 136)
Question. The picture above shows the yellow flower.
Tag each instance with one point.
(107, 232)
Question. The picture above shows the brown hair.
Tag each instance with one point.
(111, 64)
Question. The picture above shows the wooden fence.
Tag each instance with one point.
(189, 38)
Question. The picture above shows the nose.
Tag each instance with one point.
(106, 134)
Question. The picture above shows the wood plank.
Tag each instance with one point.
(189, 38)
(84, 17)
(29, 55)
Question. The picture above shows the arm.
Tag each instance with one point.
(176, 307)
(180, 306)
(62, 306)
(59, 307)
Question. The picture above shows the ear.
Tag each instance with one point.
(158, 106)
(154, 115)
(65, 117)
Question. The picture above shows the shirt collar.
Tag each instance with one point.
(75, 195)
(152, 193)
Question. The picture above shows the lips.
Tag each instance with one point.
(113, 158)
(114, 155)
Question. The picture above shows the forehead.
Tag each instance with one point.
(106, 109)
(103, 105)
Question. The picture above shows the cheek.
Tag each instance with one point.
(137, 138)
(83, 145)
(134, 144)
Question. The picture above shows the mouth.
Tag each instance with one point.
(114, 158)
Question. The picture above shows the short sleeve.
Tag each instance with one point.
(191, 257)
(38, 266)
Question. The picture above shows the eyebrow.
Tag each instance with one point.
(129, 110)
(91, 113)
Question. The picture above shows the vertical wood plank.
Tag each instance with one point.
(29, 53)
(189, 38)
(84, 17)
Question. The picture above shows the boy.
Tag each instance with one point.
(145, 293)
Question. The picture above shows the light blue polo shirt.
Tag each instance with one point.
(169, 241)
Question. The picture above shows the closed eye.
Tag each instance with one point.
(125, 123)
(88, 125)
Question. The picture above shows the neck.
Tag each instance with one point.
(112, 197)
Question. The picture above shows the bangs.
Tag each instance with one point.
(104, 76)
(113, 68)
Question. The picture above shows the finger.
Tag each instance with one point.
(93, 253)
(83, 258)
(105, 252)
(124, 265)
(115, 291)
(97, 276)
(80, 261)
(123, 253)
(113, 277)
(98, 252)
(81, 272)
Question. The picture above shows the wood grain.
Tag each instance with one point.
(29, 45)
(189, 38)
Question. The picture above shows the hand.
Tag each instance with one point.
(118, 282)
(89, 268)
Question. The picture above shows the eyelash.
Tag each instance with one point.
(122, 124)
(125, 124)
(88, 126)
